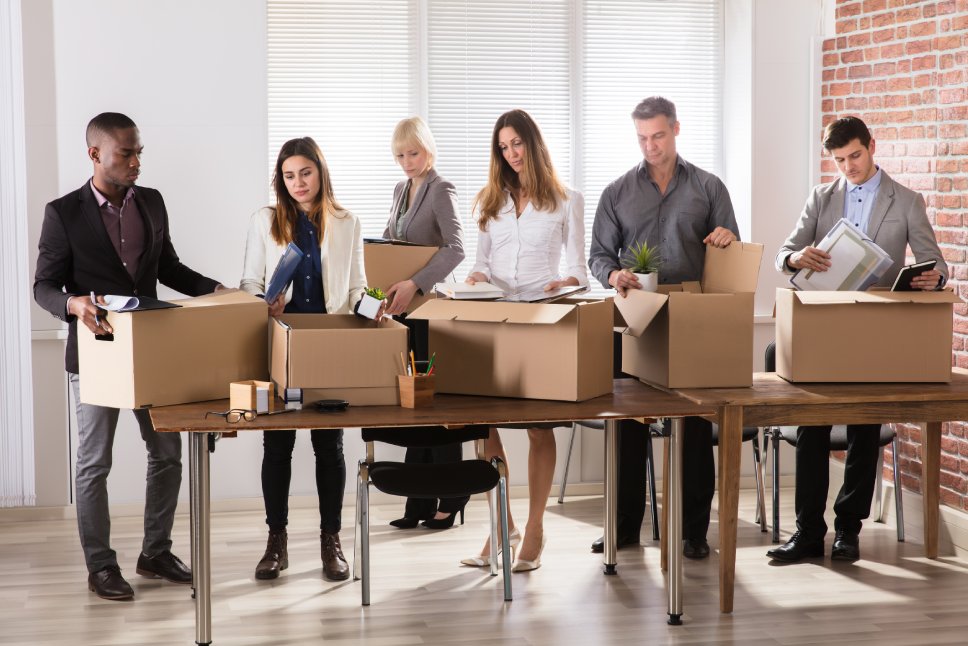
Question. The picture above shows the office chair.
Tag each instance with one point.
(457, 479)
(838, 442)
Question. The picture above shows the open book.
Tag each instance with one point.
(856, 262)
(542, 296)
(114, 303)
(466, 291)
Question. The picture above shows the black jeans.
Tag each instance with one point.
(277, 472)
(698, 477)
(853, 502)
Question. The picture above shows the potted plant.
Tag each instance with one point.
(373, 297)
(643, 261)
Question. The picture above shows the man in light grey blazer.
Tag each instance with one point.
(894, 217)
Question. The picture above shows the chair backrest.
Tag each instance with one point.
(770, 357)
(424, 436)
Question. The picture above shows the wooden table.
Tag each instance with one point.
(772, 401)
(629, 400)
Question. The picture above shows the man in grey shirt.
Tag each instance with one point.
(678, 208)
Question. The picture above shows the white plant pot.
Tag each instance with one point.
(649, 282)
(369, 307)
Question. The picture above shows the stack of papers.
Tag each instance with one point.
(856, 262)
(465, 291)
(542, 296)
(115, 303)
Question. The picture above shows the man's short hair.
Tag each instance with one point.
(655, 106)
(842, 131)
(106, 123)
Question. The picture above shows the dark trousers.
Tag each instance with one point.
(277, 473)
(853, 502)
(698, 477)
(422, 508)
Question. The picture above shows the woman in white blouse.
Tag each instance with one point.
(526, 215)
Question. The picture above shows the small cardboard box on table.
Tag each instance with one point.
(560, 350)
(695, 335)
(337, 356)
(390, 262)
(175, 356)
(872, 336)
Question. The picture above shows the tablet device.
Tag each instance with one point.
(903, 281)
(331, 405)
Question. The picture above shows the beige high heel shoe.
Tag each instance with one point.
(527, 566)
(514, 539)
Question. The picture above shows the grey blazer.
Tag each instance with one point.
(431, 220)
(898, 219)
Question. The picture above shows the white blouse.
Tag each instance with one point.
(524, 253)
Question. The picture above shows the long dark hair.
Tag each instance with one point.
(286, 210)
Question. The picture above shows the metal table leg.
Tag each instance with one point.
(674, 528)
(611, 495)
(201, 540)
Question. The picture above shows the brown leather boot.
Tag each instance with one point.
(334, 563)
(276, 557)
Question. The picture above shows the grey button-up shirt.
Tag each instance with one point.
(632, 209)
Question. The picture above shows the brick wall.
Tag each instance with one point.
(902, 66)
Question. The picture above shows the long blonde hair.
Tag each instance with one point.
(286, 209)
(545, 189)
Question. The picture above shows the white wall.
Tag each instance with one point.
(193, 76)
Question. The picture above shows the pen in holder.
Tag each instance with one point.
(416, 391)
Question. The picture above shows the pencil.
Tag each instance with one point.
(413, 364)
(430, 364)
(403, 365)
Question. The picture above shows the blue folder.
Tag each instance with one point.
(284, 272)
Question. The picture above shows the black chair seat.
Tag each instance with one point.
(838, 436)
(453, 480)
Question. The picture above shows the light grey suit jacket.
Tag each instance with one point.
(898, 219)
(431, 220)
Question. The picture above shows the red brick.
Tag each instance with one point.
(904, 66)
(959, 23)
(930, 11)
(872, 53)
(946, 7)
(850, 56)
(855, 103)
(950, 499)
(827, 75)
(961, 185)
(894, 50)
(907, 15)
(947, 42)
(946, 61)
(955, 255)
(954, 77)
(864, 22)
(944, 219)
(876, 103)
(877, 86)
(955, 113)
(827, 105)
(920, 182)
(881, 35)
(831, 60)
(882, 20)
(890, 165)
(842, 42)
(950, 463)
(850, 9)
(910, 132)
(948, 166)
(829, 45)
(924, 62)
(926, 114)
(838, 105)
(955, 95)
(923, 80)
(859, 40)
(872, 6)
(917, 47)
(916, 166)
(901, 33)
(926, 28)
(887, 134)
(841, 73)
(895, 101)
(952, 131)
(846, 26)
(859, 71)
(885, 69)
(953, 236)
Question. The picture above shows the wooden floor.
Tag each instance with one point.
(422, 596)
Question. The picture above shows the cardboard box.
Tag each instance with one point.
(387, 263)
(559, 350)
(259, 396)
(174, 356)
(864, 336)
(695, 335)
(338, 356)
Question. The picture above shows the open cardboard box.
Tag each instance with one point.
(388, 263)
(337, 356)
(175, 356)
(695, 335)
(560, 350)
(867, 336)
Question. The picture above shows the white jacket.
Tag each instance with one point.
(341, 252)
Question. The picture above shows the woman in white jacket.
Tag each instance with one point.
(330, 280)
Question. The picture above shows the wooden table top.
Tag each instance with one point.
(629, 399)
(771, 390)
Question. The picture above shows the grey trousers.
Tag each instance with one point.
(95, 428)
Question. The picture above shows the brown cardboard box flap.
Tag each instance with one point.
(222, 297)
(638, 308)
(839, 298)
(735, 268)
(387, 263)
(442, 309)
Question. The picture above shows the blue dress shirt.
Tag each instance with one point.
(859, 201)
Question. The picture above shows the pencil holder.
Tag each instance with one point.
(416, 392)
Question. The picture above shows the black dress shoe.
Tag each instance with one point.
(443, 523)
(166, 566)
(798, 547)
(695, 548)
(598, 547)
(108, 584)
(846, 547)
(405, 523)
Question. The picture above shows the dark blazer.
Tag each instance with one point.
(431, 220)
(76, 257)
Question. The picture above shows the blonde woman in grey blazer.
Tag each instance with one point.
(424, 212)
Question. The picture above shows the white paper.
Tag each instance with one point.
(856, 262)
(467, 291)
(114, 303)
